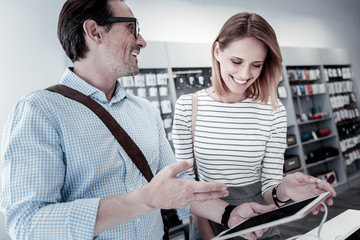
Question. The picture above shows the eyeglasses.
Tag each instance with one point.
(125, 19)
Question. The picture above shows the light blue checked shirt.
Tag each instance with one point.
(59, 160)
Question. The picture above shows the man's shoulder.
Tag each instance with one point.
(37, 96)
(43, 100)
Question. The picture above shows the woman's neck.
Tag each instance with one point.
(228, 98)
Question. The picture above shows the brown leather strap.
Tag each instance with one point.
(119, 133)
(194, 101)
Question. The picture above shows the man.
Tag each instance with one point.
(65, 176)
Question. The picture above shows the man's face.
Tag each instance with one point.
(120, 47)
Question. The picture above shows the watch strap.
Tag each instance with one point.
(275, 197)
(226, 215)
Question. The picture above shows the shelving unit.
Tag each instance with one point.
(190, 65)
(345, 105)
(295, 149)
(190, 80)
(314, 125)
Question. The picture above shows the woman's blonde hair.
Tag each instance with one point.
(244, 25)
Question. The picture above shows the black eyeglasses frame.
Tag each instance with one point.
(126, 19)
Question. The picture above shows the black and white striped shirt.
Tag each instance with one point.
(235, 143)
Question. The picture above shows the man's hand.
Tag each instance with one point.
(247, 210)
(166, 191)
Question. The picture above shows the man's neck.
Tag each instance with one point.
(97, 78)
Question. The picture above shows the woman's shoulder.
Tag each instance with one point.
(185, 98)
(279, 106)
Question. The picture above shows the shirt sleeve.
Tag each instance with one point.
(33, 175)
(273, 162)
(181, 132)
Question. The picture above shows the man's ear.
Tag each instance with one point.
(91, 30)
(216, 51)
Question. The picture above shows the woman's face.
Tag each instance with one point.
(240, 64)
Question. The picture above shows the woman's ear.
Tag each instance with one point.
(91, 30)
(217, 51)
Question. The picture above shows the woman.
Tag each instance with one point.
(240, 129)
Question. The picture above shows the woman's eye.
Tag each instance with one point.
(257, 66)
(235, 62)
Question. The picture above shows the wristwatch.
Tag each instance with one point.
(275, 197)
(226, 215)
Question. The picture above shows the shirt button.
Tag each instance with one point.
(138, 220)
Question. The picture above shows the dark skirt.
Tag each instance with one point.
(237, 196)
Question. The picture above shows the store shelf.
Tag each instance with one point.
(344, 103)
(292, 146)
(321, 162)
(308, 95)
(314, 121)
(318, 140)
(305, 81)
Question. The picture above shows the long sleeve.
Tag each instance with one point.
(181, 132)
(272, 166)
(33, 173)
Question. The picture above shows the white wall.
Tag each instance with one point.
(31, 57)
(305, 23)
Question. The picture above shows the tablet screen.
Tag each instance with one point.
(278, 216)
(271, 216)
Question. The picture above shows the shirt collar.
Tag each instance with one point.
(70, 79)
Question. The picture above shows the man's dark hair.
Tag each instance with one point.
(70, 26)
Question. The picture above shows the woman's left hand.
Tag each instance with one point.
(299, 186)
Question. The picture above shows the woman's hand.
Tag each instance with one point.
(299, 186)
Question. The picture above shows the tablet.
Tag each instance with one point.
(284, 214)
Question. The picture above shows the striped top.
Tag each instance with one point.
(235, 143)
